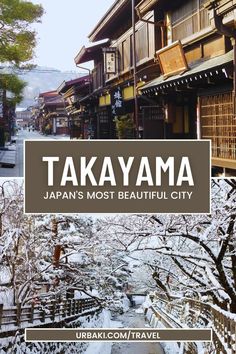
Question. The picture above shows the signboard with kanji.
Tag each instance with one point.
(117, 102)
(109, 60)
(172, 59)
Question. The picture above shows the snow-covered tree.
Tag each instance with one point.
(186, 255)
(178, 255)
(41, 252)
(11, 237)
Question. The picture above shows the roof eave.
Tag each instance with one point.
(96, 33)
(213, 64)
(79, 82)
(80, 55)
(61, 87)
(89, 53)
(144, 6)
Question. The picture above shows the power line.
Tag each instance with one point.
(35, 70)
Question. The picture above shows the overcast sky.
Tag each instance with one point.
(64, 30)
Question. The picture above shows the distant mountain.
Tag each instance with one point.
(43, 79)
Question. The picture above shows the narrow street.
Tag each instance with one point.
(22, 135)
(132, 319)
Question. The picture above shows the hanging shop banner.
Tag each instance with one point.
(109, 60)
(172, 60)
(119, 176)
(117, 102)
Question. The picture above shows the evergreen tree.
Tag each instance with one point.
(17, 38)
(17, 42)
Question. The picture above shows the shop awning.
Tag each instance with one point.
(204, 69)
(89, 53)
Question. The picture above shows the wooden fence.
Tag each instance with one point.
(192, 313)
(12, 318)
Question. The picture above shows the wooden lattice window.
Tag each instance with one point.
(189, 18)
(103, 116)
(219, 125)
(154, 113)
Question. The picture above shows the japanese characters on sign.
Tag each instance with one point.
(109, 60)
(172, 60)
(117, 102)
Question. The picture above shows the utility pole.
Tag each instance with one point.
(136, 110)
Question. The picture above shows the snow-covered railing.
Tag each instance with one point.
(192, 313)
(15, 317)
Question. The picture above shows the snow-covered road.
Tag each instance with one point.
(132, 319)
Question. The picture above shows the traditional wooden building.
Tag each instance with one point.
(97, 101)
(133, 63)
(196, 87)
(169, 66)
(113, 74)
(52, 116)
(81, 125)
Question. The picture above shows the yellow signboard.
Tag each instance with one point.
(172, 59)
(128, 93)
(105, 100)
(102, 101)
(108, 99)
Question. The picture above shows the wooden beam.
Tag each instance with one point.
(224, 163)
(145, 6)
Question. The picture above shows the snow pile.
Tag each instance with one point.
(18, 346)
(100, 347)
(139, 310)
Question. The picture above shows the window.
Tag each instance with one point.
(103, 116)
(218, 124)
(131, 50)
(188, 19)
(142, 43)
(98, 76)
(145, 46)
(125, 54)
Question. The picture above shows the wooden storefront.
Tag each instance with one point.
(153, 122)
(105, 124)
(218, 124)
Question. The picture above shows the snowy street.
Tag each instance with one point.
(132, 319)
(22, 135)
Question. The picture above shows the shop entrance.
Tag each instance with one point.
(105, 124)
(153, 122)
(181, 117)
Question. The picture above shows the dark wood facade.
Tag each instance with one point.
(196, 103)
(50, 115)
(200, 103)
(80, 126)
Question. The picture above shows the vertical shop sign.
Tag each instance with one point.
(117, 102)
(109, 61)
